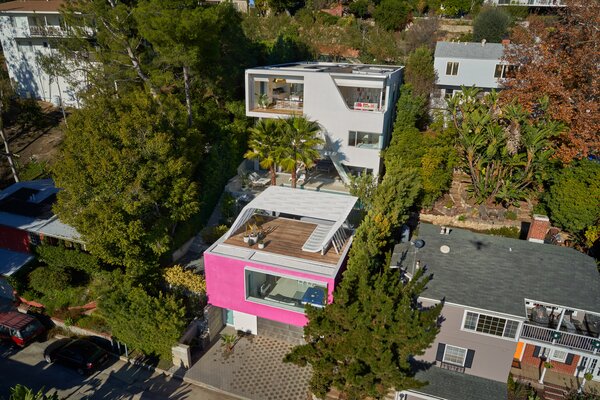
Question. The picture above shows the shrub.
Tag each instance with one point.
(392, 14)
(491, 24)
(49, 279)
(360, 8)
(177, 276)
(510, 215)
(213, 233)
(462, 218)
(509, 232)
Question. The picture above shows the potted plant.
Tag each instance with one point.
(263, 100)
(261, 243)
(247, 234)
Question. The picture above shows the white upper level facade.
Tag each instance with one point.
(353, 103)
(27, 29)
(470, 64)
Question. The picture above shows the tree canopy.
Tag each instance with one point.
(561, 60)
(491, 24)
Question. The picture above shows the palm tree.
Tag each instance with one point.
(265, 140)
(299, 145)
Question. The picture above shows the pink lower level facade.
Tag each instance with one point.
(227, 286)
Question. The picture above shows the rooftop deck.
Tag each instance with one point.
(286, 237)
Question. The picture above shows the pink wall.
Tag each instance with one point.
(225, 288)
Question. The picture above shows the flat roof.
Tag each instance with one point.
(497, 273)
(20, 6)
(450, 385)
(28, 206)
(334, 68)
(304, 230)
(489, 51)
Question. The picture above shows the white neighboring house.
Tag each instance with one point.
(467, 64)
(353, 103)
(26, 30)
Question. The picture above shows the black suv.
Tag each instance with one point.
(81, 354)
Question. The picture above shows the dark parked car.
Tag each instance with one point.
(19, 328)
(81, 354)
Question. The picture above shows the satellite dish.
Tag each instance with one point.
(419, 243)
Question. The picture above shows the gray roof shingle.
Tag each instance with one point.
(497, 273)
(490, 51)
(451, 385)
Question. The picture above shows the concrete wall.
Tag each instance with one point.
(324, 103)
(225, 287)
(493, 355)
(21, 51)
(470, 72)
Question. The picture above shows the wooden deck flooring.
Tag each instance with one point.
(286, 237)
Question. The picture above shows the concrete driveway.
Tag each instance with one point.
(118, 380)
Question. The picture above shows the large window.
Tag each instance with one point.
(284, 292)
(490, 325)
(452, 68)
(365, 140)
(363, 98)
(455, 355)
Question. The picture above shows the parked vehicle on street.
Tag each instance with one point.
(21, 329)
(81, 354)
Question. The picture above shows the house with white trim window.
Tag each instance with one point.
(467, 64)
(353, 103)
(510, 306)
(28, 29)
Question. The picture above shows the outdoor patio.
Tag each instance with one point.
(531, 374)
(253, 370)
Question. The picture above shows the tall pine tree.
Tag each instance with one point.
(362, 343)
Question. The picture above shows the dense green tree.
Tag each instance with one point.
(360, 8)
(264, 144)
(144, 322)
(126, 169)
(573, 197)
(392, 14)
(419, 71)
(506, 151)
(454, 8)
(363, 186)
(491, 24)
(299, 145)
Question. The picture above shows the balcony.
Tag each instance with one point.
(278, 96)
(532, 3)
(46, 31)
(565, 339)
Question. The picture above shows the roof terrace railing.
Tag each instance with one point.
(570, 340)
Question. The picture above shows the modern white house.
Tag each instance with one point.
(27, 29)
(353, 103)
(468, 64)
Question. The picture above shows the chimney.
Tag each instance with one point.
(505, 42)
(483, 42)
(538, 228)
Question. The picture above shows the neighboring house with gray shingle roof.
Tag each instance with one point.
(507, 305)
(467, 64)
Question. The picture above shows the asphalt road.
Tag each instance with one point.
(118, 380)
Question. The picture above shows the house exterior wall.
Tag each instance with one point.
(563, 368)
(20, 51)
(493, 355)
(225, 287)
(470, 72)
(14, 239)
(324, 103)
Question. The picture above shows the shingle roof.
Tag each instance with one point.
(489, 51)
(497, 273)
(31, 6)
(451, 385)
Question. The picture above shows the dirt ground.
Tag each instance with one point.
(31, 141)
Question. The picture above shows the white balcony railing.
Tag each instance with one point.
(570, 340)
(45, 31)
(532, 3)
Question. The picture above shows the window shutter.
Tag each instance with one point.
(536, 351)
(440, 352)
(469, 359)
(569, 360)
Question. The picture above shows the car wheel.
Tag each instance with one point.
(80, 371)
(48, 359)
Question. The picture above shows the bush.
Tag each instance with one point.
(491, 24)
(392, 15)
(46, 280)
(178, 277)
(360, 8)
(509, 232)
(212, 233)
(510, 215)
(326, 19)
(34, 170)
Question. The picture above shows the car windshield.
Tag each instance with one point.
(29, 329)
(88, 350)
